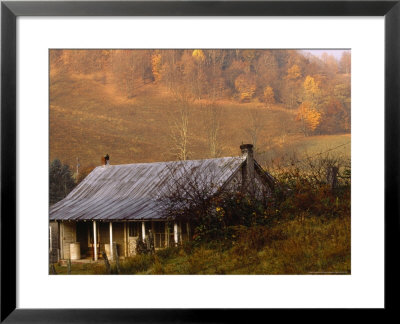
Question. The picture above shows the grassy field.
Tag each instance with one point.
(311, 246)
(89, 118)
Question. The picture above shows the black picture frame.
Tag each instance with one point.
(11, 10)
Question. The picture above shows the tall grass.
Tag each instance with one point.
(312, 246)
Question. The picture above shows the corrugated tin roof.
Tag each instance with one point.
(132, 191)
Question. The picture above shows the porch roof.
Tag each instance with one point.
(133, 191)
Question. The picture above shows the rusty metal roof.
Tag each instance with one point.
(132, 191)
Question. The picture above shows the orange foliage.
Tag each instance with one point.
(308, 116)
(198, 55)
(269, 97)
(293, 73)
(311, 87)
(156, 66)
(246, 86)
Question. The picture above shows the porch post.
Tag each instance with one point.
(166, 244)
(143, 231)
(61, 235)
(51, 240)
(176, 233)
(111, 244)
(95, 240)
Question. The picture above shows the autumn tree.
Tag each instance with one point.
(123, 69)
(311, 90)
(269, 97)
(345, 62)
(195, 72)
(198, 55)
(342, 93)
(309, 117)
(331, 65)
(246, 87)
(293, 77)
(333, 118)
(266, 70)
(156, 66)
(213, 68)
(293, 73)
(172, 68)
(232, 72)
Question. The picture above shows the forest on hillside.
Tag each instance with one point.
(318, 89)
(179, 104)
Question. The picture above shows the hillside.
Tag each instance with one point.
(90, 117)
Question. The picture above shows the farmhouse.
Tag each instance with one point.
(120, 204)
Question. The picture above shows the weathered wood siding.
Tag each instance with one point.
(55, 241)
(68, 236)
(236, 183)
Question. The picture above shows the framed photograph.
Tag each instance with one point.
(160, 159)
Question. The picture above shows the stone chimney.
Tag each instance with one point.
(105, 160)
(248, 169)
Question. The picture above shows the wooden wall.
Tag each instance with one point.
(54, 242)
(68, 236)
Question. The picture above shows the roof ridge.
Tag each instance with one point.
(174, 161)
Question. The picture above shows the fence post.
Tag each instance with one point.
(331, 176)
(69, 266)
(53, 269)
(108, 268)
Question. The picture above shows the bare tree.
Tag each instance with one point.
(189, 190)
(212, 118)
(255, 126)
(179, 123)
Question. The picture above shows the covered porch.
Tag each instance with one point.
(87, 240)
